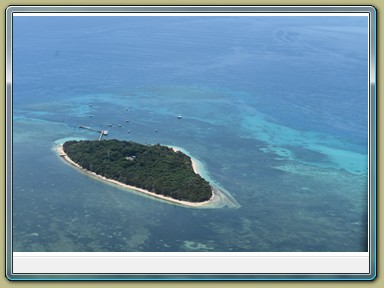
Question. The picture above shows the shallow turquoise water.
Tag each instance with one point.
(275, 109)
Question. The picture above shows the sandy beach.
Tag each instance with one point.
(218, 199)
(196, 168)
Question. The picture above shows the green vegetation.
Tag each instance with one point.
(155, 168)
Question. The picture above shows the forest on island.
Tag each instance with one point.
(155, 168)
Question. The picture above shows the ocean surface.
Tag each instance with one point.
(276, 108)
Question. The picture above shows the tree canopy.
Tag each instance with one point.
(156, 168)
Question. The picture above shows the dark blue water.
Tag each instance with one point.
(275, 108)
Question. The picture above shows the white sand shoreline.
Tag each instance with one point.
(195, 166)
(218, 199)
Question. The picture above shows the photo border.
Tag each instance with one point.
(213, 8)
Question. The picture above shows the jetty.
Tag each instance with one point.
(102, 132)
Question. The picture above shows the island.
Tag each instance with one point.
(156, 170)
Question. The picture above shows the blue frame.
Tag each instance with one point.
(199, 277)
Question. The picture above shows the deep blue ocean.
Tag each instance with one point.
(276, 108)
